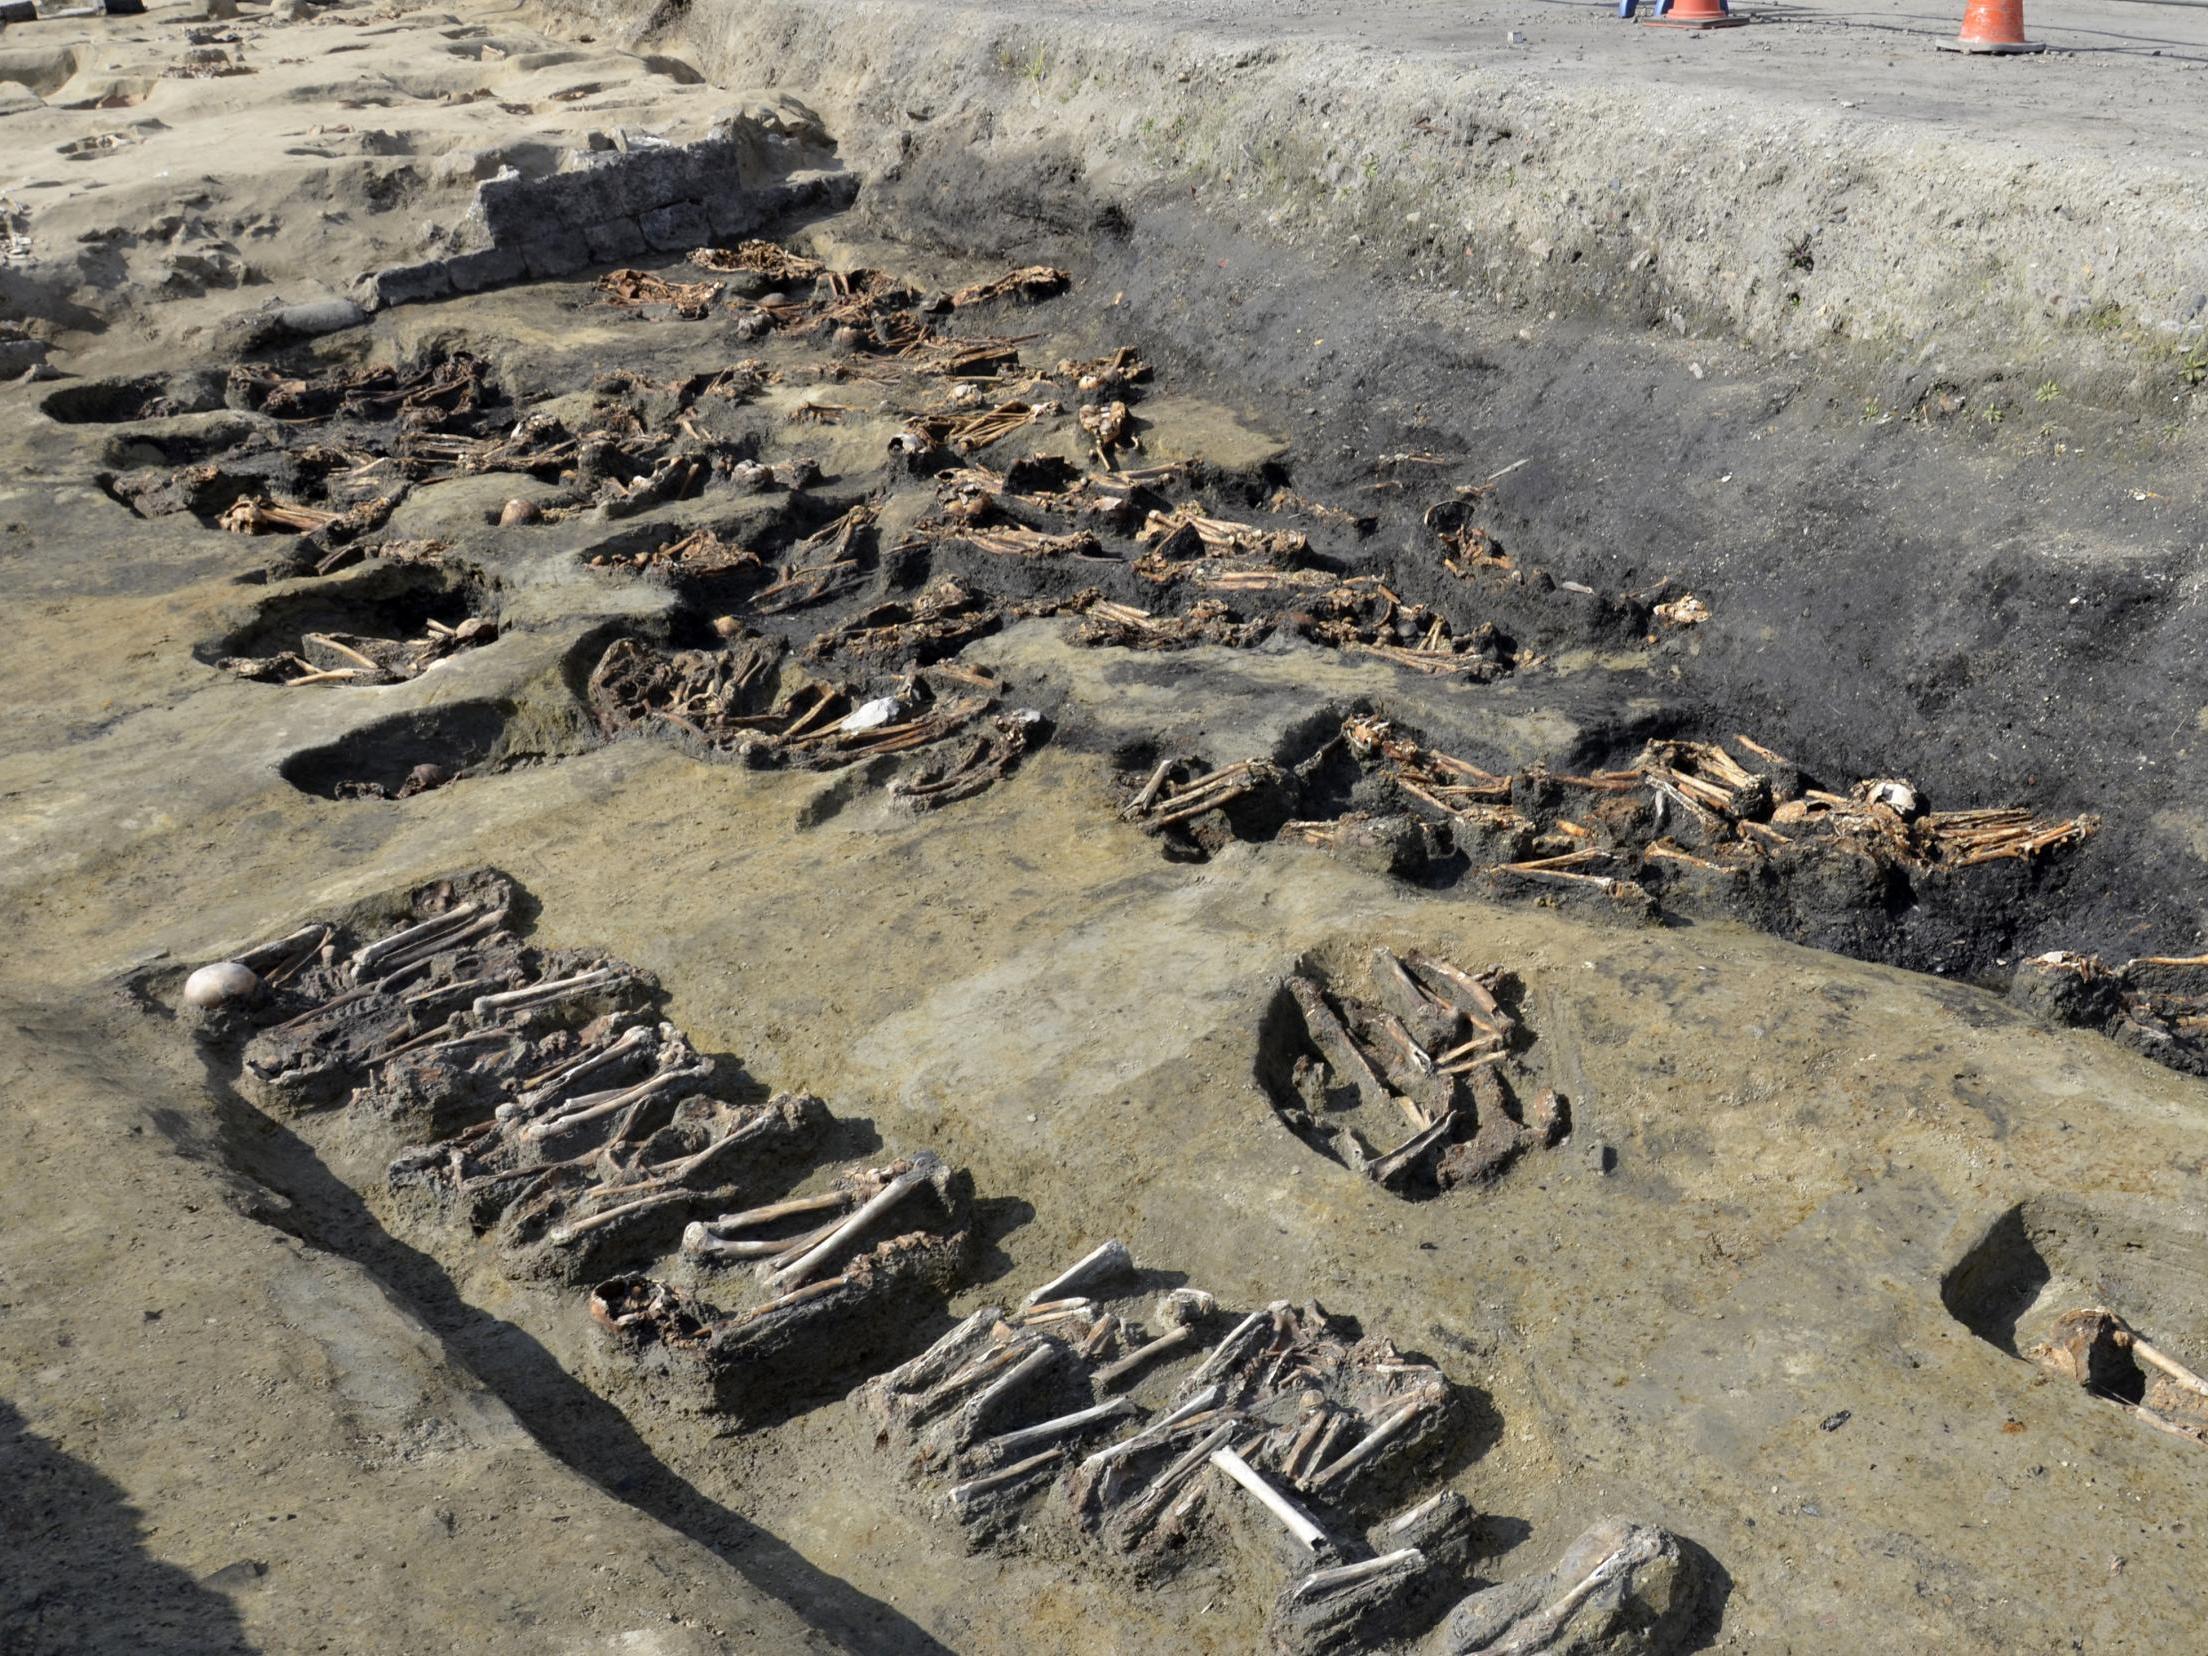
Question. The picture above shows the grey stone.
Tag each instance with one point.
(403, 285)
(505, 206)
(677, 229)
(613, 239)
(473, 272)
(18, 11)
(555, 250)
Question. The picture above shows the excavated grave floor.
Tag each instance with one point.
(1764, 1296)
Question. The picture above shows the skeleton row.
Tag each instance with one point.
(558, 1121)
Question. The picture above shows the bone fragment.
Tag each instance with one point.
(1112, 1373)
(1243, 1473)
(1321, 1583)
(1101, 1264)
(940, 1356)
(924, 1167)
(1009, 1474)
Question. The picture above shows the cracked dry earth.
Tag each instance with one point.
(767, 948)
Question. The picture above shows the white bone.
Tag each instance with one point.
(1419, 1511)
(1020, 1372)
(1226, 1350)
(594, 1105)
(1243, 1473)
(967, 1491)
(1109, 1260)
(944, 1352)
(570, 1073)
(1112, 1373)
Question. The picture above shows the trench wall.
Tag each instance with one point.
(1939, 256)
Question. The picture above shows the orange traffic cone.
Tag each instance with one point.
(1693, 14)
(1992, 26)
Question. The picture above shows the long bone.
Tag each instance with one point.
(1383, 1168)
(1101, 1263)
(1183, 1308)
(658, 1184)
(1135, 1443)
(281, 948)
(925, 1166)
(776, 1210)
(949, 1390)
(699, 1243)
(369, 954)
(594, 1105)
(1373, 1441)
(541, 994)
(425, 950)
(1144, 1508)
(932, 1362)
(1536, 1632)
(1225, 1352)
(1297, 1523)
(1050, 1430)
(1010, 1381)
(965, 1492)
(1324, 1583)
(1337, 1046)
(556, 1081)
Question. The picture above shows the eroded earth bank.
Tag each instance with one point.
(792, 862)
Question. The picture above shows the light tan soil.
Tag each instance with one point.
(240, 1409)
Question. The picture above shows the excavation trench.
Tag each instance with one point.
(830, 470)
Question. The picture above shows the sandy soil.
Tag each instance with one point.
(248, 1408)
